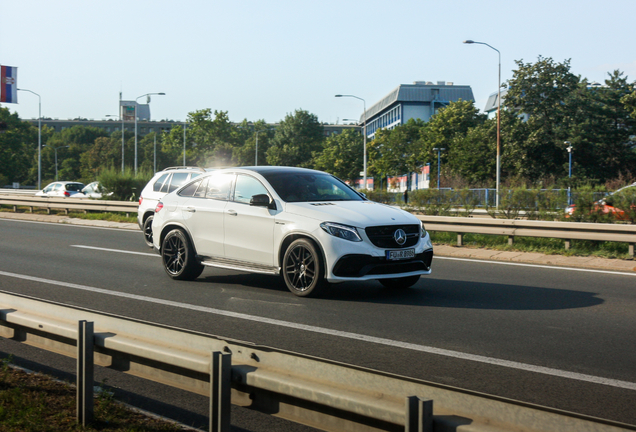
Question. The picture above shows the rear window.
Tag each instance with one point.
(157, 186)
(177, 180)
(74, 187)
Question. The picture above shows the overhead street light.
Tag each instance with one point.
(147, 95)
(364, 137)
(439, 163)
(498, 116)
(39, 136)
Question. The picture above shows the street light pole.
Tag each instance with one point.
(439, 163)
(147, 94)
(39, 136)
(498, 117)
(256, 155)
(55, 149)
(185, 125)
(570, 150)
(122, 136)
(364, 137)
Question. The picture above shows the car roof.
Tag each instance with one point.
(263, 170)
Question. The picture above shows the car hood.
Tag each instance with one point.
(355, 213)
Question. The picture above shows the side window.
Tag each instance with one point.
(177, 180)
(193, 175)
(190, 189)
(246, 188)
(56, 186)
(219, 186)
(157, 186)
(203, 186)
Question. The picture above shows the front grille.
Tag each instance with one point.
(383, 236)
(362, 265)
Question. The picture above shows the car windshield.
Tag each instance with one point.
(309, 187)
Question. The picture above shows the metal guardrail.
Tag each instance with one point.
(321, 393)
(66, 204)
(11, 191)
(512, 228)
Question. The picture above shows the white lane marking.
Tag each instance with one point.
(116, 250)
(553, 267)
(66, 224)
(354, 336)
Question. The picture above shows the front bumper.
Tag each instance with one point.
(357, 266)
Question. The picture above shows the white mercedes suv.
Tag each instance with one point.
(306, 225)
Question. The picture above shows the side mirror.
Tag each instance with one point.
(261, 200)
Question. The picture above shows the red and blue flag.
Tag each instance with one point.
(8, 84)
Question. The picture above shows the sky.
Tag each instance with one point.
(265, 59)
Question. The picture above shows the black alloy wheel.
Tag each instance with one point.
(400, 283)
(178, 257)
(302, 269)
(148, 231)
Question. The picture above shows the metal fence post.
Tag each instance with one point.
(419, 415)
(220, 391)
(85, 372)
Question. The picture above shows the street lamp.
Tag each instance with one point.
(55, 149)
(148, 95)
(39, 136)
(185, 125)
(364, 137)
(439, 162)
(570, 150)
(122, 137)
(498, 116)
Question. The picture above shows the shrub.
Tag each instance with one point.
(124, 186)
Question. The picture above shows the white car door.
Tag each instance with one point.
(249, 230)
(203, 215)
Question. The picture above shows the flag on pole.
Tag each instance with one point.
(8, 84)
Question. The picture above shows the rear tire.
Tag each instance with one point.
(303, 269)
(147, 229)
(178, 258)
(399, 283)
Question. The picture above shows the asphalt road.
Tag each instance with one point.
(557, 337)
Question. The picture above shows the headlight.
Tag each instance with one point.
(341, 231)
(423, 230)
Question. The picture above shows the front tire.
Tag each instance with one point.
(147, 229)
(400, 283)
(177, 255)
(303, 269)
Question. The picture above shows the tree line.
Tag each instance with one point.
(545, 105)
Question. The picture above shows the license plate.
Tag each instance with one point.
(394, 255)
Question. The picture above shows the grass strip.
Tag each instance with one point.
(33, 402)
(548, 246)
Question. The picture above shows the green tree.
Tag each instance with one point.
(444, 130)
(244, 155)
(342, 155)
(473, 155)
(18, 148)
(601, 129)
(79, 140)
(394, 151)
(546, 92)
(629, 101)
(295, 140)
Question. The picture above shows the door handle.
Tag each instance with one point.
(232, 213)
(190, 209)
